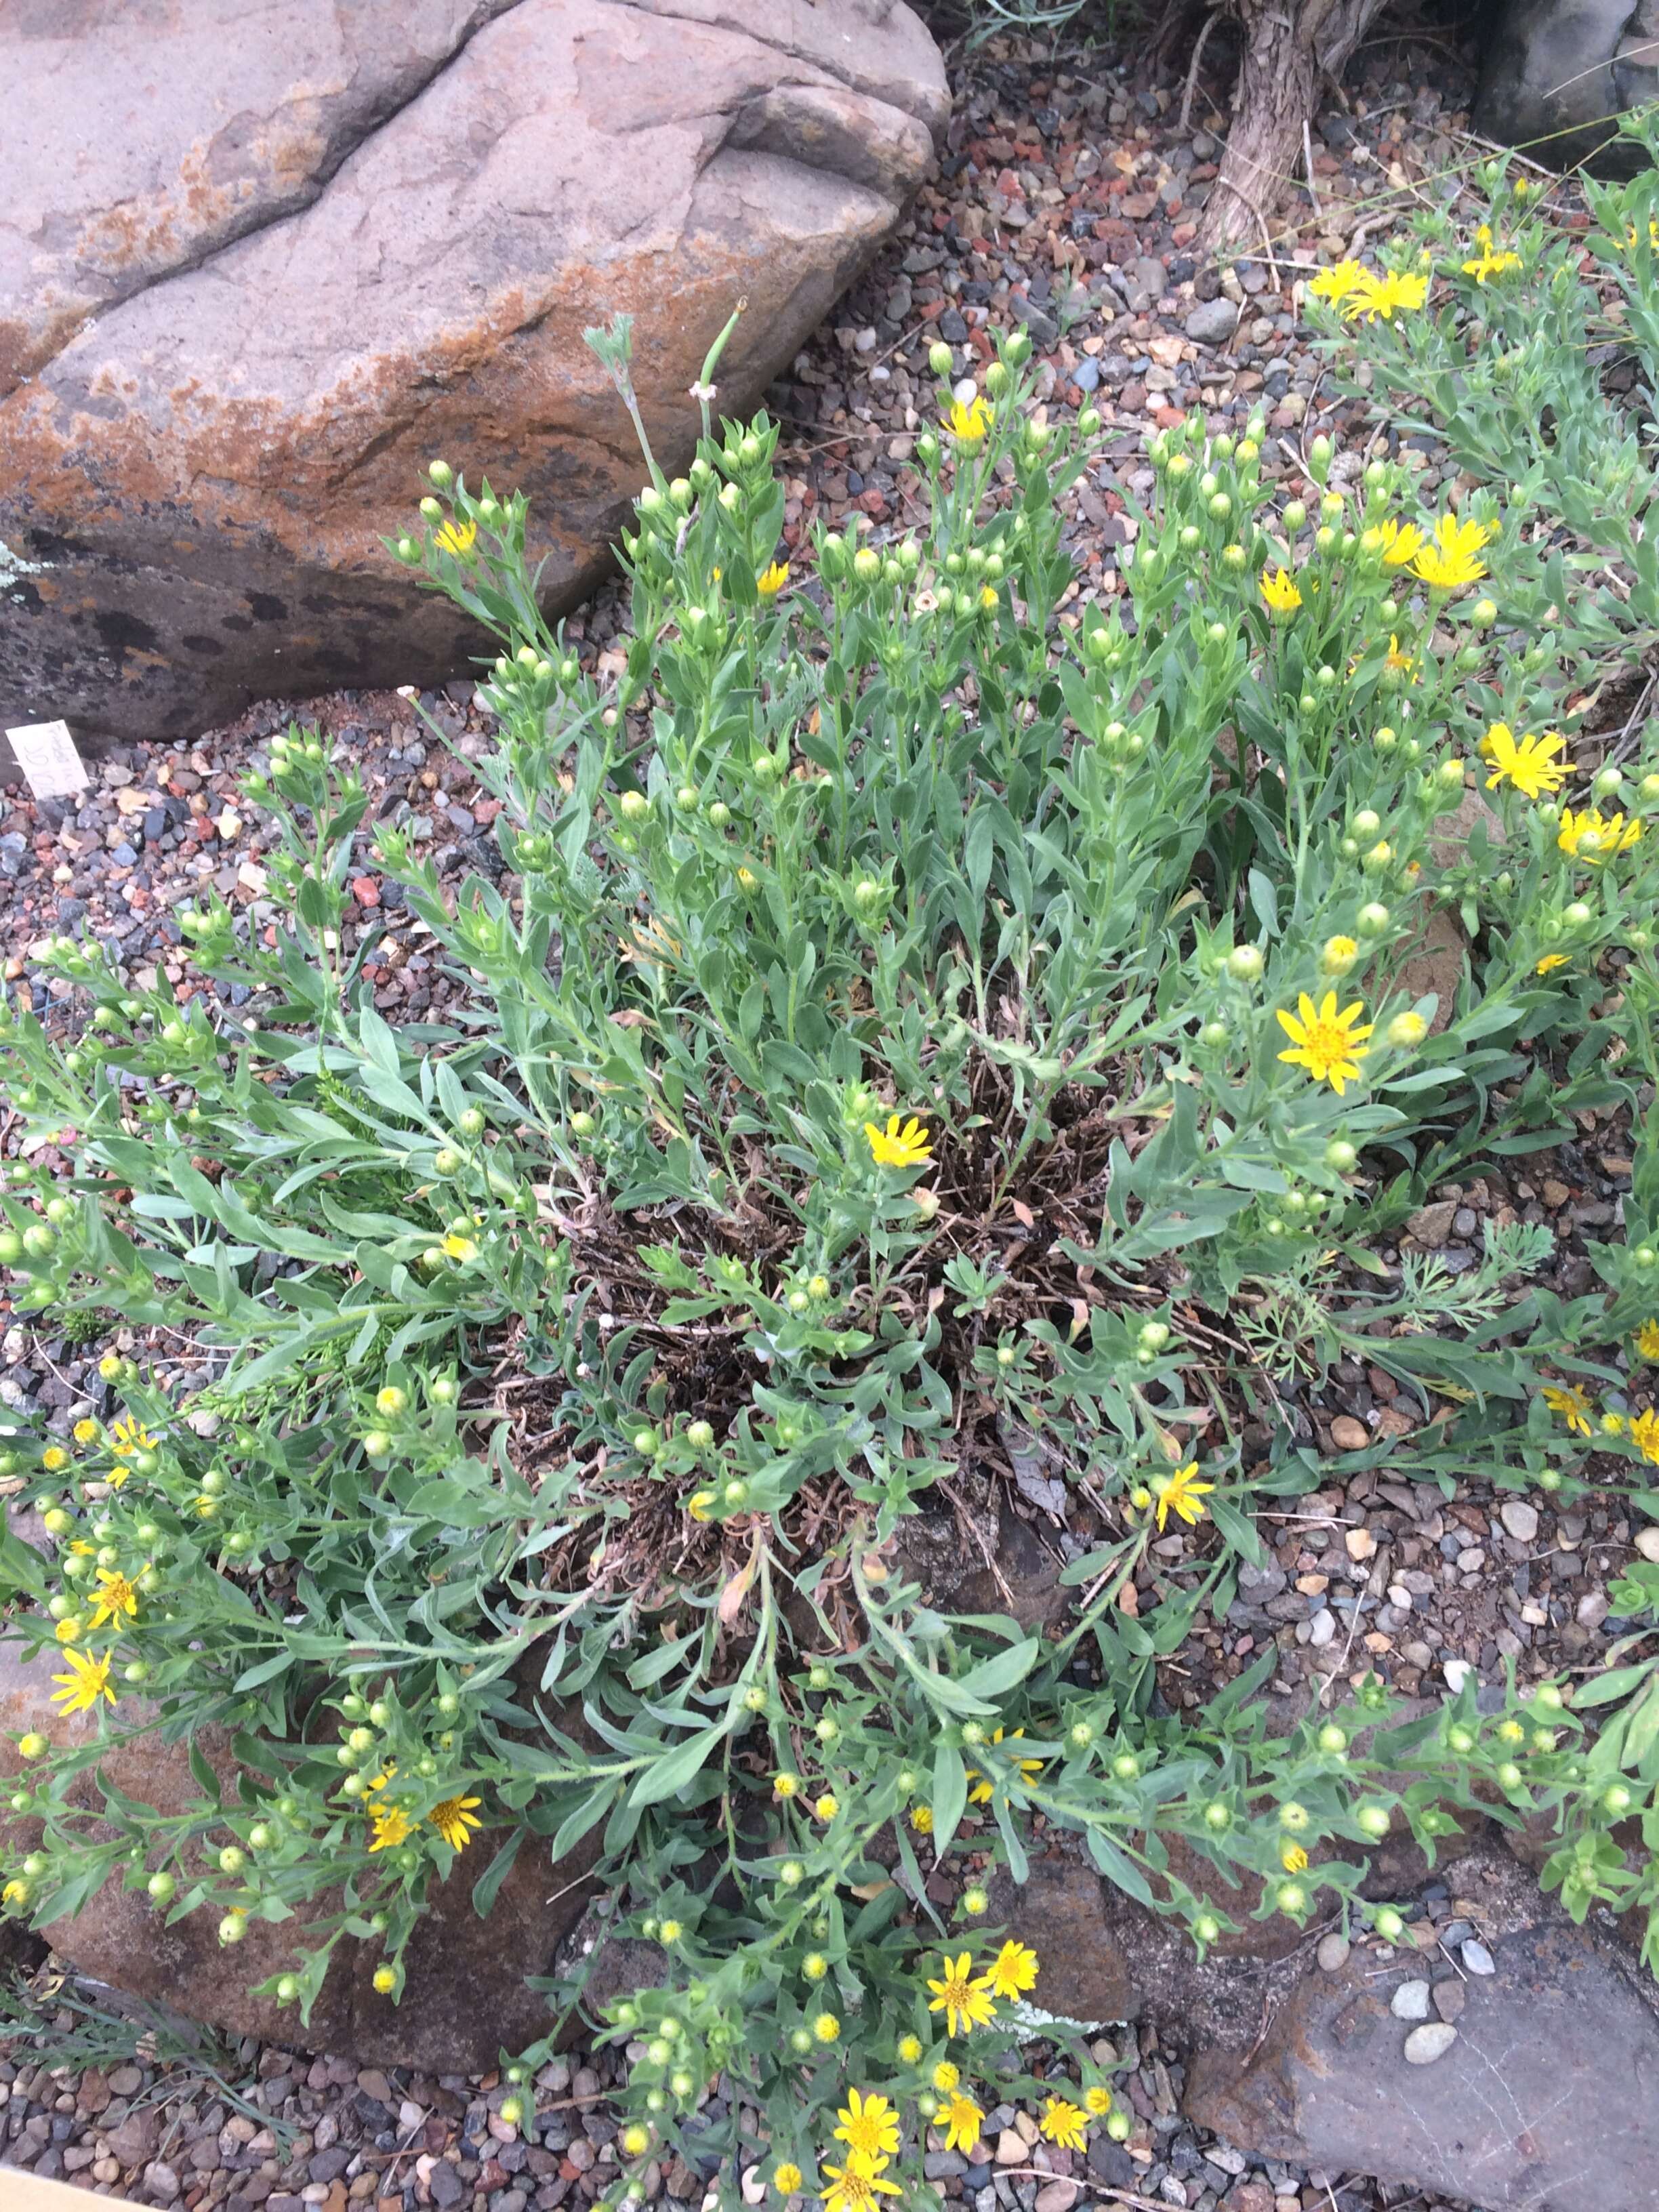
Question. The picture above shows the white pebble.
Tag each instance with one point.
(1425, 2045)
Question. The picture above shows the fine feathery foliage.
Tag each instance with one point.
(924, 1033)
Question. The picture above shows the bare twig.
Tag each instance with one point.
(1205, 29)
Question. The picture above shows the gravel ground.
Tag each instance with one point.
(296, 2133)
(1068, 198)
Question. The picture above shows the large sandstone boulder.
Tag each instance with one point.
(467, 1997)
(1558, 74)
(256, 271)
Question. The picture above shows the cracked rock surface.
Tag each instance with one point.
(303, 251)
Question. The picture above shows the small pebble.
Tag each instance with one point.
(1478, 1958)
(1410, 2001)
(1332, 1953)
(1425, 2045)
(1450, 1996)
(1519, 1518)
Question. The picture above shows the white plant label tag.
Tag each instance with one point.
(45, 752)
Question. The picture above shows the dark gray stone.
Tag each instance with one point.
(1212, 322)
(1557, 73)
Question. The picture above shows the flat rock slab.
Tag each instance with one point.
(346, 240)
(1544, 2098)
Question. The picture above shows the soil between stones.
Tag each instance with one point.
(1065, 198)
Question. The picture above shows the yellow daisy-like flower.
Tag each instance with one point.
(86, 1433)
(1340, 281)
(1644, 1433)
(910, 2050)
(87, 1681)
(827, 1806)
(1014, 1970)
(389, 1826)
(1401, 543)
(1529, 763)
(1571, 1403)
(1401, 662)
(922, 1820)
(962, 2120)
(1179, 1493)
(1551, 961)
(699, 1503)
(969, 425)
(1064, 2123)
(457, 537)
(1489, 264)
(787, 2178)
(1278, 591)
(456, 1821)
(981, 1793)
(54, 1459)
(1647, 1341)
(965, 2003)
(946, 2077)
(1324, 1042)
(1447, 561)
(72, 1630)
(115, 1599)
(1293, 1858)
(853, 2188)
(1098, 2101)
(869, 2127)
(1386, 296)
(1592, 837)
(772, 579)
(129, 1436)
(909, 1147)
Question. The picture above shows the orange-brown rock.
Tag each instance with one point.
(466, 1998)
(252, 281)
